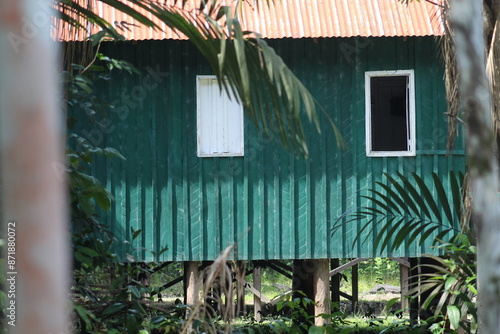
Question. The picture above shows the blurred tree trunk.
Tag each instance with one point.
(33, 187)
(467, 23)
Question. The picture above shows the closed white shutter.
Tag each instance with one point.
(220, 120)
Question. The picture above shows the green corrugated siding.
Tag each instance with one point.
(274, 205)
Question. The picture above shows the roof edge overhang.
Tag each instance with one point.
(293, 19)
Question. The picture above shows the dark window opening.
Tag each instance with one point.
(389, 113)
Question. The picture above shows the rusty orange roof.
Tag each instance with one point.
(298, 19)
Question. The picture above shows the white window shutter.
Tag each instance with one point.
(220, 121)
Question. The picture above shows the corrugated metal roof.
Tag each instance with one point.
(301, 19)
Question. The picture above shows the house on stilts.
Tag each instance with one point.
(199, 176)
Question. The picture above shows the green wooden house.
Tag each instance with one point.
(198, 176)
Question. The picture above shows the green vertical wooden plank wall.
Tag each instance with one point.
(273, 204)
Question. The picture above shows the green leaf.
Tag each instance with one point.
(97, 37)
(114, 308)
(85, 315)
(113, 331)
(135, 234)
(110, 152)
(84, 86)
(390, 303)
(157, 319)
(103, 199)
(433, 294)
(84, 14)
(456, 193)
(454, 315)
(88, 251)
(472, 288)
(316, 330)
(134, 291)
(82, 258)
(449, 282)
(85, 204)
(130, 11)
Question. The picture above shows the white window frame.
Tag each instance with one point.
(239, 151)
(410, 113)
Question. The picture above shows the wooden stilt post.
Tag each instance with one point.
(191, 290)
(404, 270)
(302, 280)
(144, 277)
(321, 281)
(240, 287)
(355, 290)
(335, 284)
(414, 304)
(257, 303)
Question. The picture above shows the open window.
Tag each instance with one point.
(219, 120)
(390, 113)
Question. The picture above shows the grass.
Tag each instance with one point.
(381, 325)
(351, 325)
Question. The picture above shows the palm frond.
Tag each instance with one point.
(78, 14)
(405, 213)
